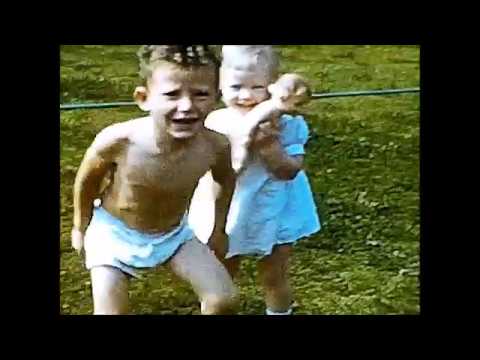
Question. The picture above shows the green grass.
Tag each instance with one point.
(362, 161)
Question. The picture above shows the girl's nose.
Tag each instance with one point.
(244, 94)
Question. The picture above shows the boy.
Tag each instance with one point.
(154, 164)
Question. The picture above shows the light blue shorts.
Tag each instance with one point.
(109, 241)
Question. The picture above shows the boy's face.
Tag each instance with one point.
(244, 89)
(181, 98)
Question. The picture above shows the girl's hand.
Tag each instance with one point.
(289, 91)
(218, 242)
(267, 133)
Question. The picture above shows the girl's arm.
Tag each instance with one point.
(270, 150)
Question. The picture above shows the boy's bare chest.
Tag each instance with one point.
(165, 172)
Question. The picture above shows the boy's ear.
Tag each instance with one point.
(140, 95)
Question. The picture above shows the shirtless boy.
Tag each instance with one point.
(154, 164)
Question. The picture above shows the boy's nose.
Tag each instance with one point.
(184, 104)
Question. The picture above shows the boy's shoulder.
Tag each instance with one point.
(218, 140)
(127, 128)
(120, 133)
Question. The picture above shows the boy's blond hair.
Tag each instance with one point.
(150, 56)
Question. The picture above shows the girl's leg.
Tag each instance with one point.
(273, 274)
(233, 265)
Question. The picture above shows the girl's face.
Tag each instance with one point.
(243, 90)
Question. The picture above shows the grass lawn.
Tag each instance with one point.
(363, 165)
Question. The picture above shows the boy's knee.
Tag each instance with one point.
(110, 302)
(222, 303)
(110, 291)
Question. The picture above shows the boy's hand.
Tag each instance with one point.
(218, 242)
(77, 241)
(289, 91)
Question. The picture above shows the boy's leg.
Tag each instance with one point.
(273, 274)
(109, 290)
(196, 263)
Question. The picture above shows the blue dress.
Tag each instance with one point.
(266, 211)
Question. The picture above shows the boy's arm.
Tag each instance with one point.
(270, 150)
(224, 176)
(97, 161)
